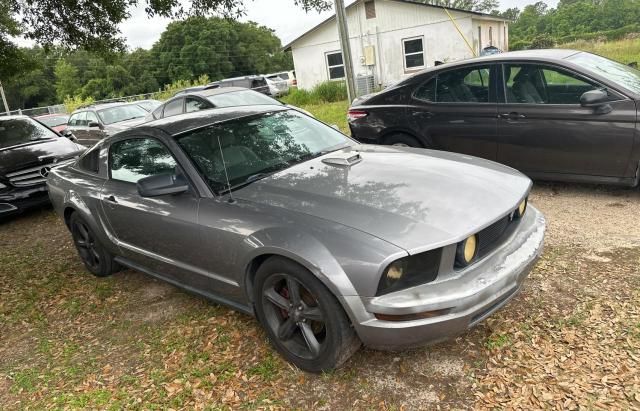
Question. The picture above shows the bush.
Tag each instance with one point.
(73, 103)
(170, 89)
(542, 42)
(326, 92)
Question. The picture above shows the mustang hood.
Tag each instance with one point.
(416, 199)
(37, 152)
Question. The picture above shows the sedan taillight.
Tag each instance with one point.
(353, 115)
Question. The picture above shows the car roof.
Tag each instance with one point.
(180, 123)
(101, 106)
(51, 115)
(218, 90)
(533, 55)
(14, 117)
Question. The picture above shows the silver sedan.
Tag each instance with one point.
(329, 243)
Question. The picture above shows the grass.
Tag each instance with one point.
(624, 50)
(331, 113)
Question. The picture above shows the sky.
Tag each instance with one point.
(288, 20)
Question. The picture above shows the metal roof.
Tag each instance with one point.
(418, 2)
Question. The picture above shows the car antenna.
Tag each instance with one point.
(226, 175)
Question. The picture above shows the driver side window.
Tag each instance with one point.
(536, 84)
(137, 158)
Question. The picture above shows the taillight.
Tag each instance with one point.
(353, 115)
(294, 82)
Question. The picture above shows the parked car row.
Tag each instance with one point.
(329, 242)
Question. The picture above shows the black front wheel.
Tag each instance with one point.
(93, 254)
(304, 321)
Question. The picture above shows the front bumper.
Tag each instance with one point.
(17, 200)
(467, 298)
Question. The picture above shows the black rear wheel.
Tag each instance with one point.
(402, 140)
(93, 254)
(304, 321)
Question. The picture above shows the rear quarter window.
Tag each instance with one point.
(90, 161)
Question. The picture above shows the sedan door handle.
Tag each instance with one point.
(111, 199)
(512, 116)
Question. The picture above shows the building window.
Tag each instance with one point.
(335, 65)
(370, 9)
(413, 53)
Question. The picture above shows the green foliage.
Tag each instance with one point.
(66, 80)
(327, 92)
(539, 26)
(73, 103)
(188, 50)
(475, 5)
(624, 50)
(170, 89)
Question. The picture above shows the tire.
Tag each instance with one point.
(402, 140)
(316, 335)
(93, 254)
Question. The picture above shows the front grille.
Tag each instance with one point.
(492, 236)
(30, 176)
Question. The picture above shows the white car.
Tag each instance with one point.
(289, 76)
(277, 86)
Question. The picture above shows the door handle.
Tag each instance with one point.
(111, 199)
(512, 116)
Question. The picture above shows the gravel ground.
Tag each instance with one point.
(571, 339)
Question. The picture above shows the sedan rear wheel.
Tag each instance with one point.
(94, 256)
(402, 140)
(305, 322)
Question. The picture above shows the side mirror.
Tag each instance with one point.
(94, 124)
(162, 184)
(68, 134)
(594, 98)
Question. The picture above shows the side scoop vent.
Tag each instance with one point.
(344, 161)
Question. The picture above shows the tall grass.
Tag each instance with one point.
(624, 50)
(327, 92)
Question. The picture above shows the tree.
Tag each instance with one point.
(484, 6)
(67, 83)
(93, 25)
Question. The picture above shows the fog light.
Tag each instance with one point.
(522, 208)
(466, 251)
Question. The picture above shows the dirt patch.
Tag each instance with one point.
(571, 338)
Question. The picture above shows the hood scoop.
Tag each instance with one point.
(346, 160)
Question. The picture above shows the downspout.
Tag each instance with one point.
(378, 58)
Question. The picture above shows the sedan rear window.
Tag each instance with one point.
(18, 131)
(121, 113)
(241, 98)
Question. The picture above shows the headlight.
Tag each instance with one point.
(522, 208)
(466, 251)
(410, 271)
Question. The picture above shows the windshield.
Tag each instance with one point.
(53, 121)
(149, 105)
(241, 98)
(21, 130)
(622, 74)
(121, 113)
(256, 147)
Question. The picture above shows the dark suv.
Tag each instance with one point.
(28, 151)
(91, 124)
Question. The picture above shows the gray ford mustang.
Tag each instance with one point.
(329, 243)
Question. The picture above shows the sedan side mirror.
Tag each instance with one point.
(594, 98)
(162, 184)
(94, 124)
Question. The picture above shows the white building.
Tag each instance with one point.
(392, 39)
